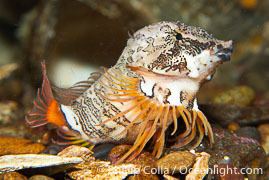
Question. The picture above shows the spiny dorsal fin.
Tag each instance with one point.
(67, 95)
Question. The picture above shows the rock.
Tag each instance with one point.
(240, 96)
(12, 176)
(11, 145)
(244, 116)
(37, 162)
(77, 151)
(264, 132)
(242, 152)
(144, 159)
(176, 162)
(14, 130)
(233, 173)
(103, 170)
(7, 70)
(233, 126)
(249, 132)
(101, 151)
(168, 177)
(143, 176)
(8, 112)
(248, 4)
(118, 151)
(200, 168)
(96, 169)
(53, 149)
(40, 177)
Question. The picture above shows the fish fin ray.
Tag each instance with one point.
(45, 109)
(67, 95)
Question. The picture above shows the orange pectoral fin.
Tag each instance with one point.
(54, 114)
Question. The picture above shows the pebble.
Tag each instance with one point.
(12, 176)
(248, 4)
(176, 162)
(7, 69)
(40, 177)
(144, 159)
(8, 112)
(12, 145)
(249, 132)
(143, 176)
(242, 152)
(38, 162)
(117, 152)
(77, 151)
(240, 96)
(264, 132)
(103, 170)
(200, 168)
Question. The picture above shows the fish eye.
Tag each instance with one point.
(179, 36)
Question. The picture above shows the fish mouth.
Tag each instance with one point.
(224, 51)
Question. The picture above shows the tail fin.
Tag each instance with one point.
(46, 109)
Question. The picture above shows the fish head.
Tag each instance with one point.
(175, 49)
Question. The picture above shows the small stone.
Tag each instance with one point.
(248, 4)
(168, 177)
(241, 152)
(8, 112)
(144, 159)
(176, 162)
(12, 145)
(143, 176)
(40, 177)
(117, 152)
(249, 132)
(7, 69)
(101, 151)
(233, 126)
(233, 173)
(240, 96)
(12, 176)
(264, 132)
(77, 151)
(103, 170)
(225, 114)
(200, 168)
(14, 130)
(36, 161)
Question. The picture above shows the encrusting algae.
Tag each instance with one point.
(153, 84)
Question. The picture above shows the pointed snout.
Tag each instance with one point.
(225, 50)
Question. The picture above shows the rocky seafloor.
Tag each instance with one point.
(75, 37)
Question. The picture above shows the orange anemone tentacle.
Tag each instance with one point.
(164, 121)
(174, 119)
(201, 135)
(151, 113)
(142, 113)
(188, 128)
(207, 126)
(135, 146)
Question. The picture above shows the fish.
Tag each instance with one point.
(152, 86)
